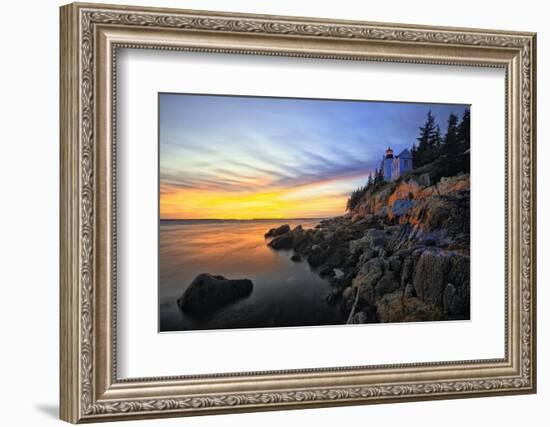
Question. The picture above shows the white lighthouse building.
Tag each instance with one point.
(395, 166)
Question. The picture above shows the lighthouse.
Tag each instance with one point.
(395, 166)
(387, 163)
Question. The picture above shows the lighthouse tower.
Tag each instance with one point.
(387, 162)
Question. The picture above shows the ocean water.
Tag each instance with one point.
(285, 293)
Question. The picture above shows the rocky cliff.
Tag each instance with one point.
(401, 254)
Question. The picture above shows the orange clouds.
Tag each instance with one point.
(279, 203)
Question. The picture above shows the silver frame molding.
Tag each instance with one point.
(90, 37)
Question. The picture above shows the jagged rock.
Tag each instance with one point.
(406, 271)
(356, 218)
(359, 318)
(318, 236)
(394, 307)
(428, 239)
(366, 315)
(284, 241)
(296, 258)
(430, 275)
(401, 207)
(402, 251)
(327, 271)
(352, 259)
(338, 273)
(435, 268)
(207, 293)
(395, 264)
(302, 238)
(333, 296)
(387, 284)
(348, 276)
(367, 278)
(278, 231)
(317, 256)
(459, 272)
(372, 239)
(428, 207)
(409, 291)
(455, 302)
(348, 298)
(337, 255)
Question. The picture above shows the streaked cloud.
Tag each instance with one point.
(245, 157)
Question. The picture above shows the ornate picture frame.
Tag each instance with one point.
(90, 37)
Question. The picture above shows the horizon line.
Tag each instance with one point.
(243, 219)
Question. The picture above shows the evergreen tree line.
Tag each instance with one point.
(449, 154)
(374, 180)
(451, 149)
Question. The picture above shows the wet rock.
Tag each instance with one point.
(338, 273)
(285, 241)
(318, 236)
(333, 296)
(207, 293)
(302, 238)
(327, 271)
(317, 256)
(366, 315)
(359, 318)
(352, 259)
(296, 258)
(337, 255)
(274, 232)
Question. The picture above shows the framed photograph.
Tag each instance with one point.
(266, 212)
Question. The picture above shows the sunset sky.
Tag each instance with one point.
(232, 157)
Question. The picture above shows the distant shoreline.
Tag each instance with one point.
(282, 220)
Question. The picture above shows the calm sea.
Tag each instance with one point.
(285, 293)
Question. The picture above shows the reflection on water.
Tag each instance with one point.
(285, 293)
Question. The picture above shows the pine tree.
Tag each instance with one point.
(414, 154)
(378, 176)
(437, 140)
(451, 142)
(425, 152)
(463, 135)
(463, 132)
(370, 180)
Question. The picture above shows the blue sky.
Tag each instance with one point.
(230, 145)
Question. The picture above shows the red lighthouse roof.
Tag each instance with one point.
(389, 152)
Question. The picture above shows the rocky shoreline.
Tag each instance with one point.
(402, 254)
